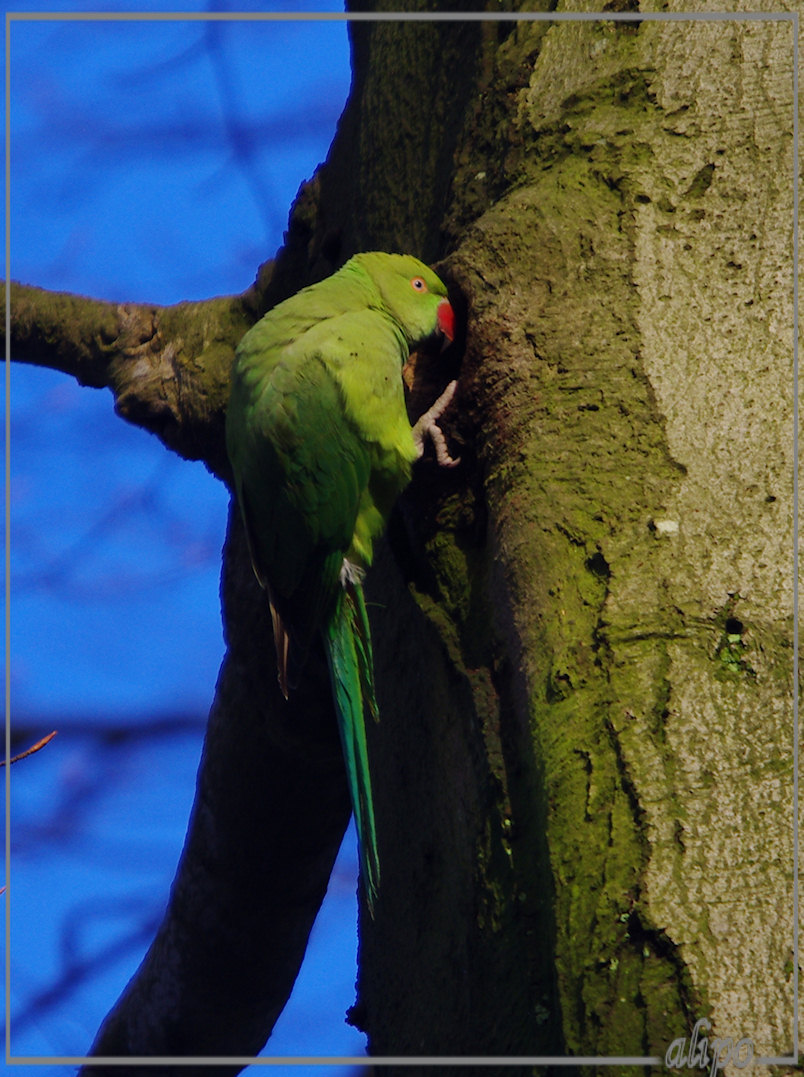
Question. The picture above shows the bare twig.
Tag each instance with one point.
(30, 751)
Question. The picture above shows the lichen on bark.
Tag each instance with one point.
(631, 343)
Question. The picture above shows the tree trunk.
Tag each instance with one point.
(584, 635)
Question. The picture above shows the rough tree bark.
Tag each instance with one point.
(584, 635)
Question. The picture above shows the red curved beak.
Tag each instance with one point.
(445, 319)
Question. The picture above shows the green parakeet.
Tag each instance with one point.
(320, 445)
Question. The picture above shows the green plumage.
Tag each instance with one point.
(320, 446)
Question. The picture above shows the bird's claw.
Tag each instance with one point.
(427, 426)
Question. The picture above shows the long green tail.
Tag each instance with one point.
(351, 667)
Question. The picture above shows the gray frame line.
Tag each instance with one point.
(95, 16)
(7, 566)
(393, 16)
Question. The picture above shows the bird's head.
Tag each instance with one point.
(412, 294)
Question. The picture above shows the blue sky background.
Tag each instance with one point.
(150, 161)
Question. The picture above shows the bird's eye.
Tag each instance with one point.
(418, 285)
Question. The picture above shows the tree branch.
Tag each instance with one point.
(168, 367)
(270, 811)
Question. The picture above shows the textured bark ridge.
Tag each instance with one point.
(584, 634)
(626, 534)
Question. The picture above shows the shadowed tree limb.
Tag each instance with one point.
(270, 811)
(168, 367)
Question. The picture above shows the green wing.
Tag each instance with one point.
(320, 443)
(300, 470)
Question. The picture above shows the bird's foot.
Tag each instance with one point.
(427, 426)
(351, 573)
